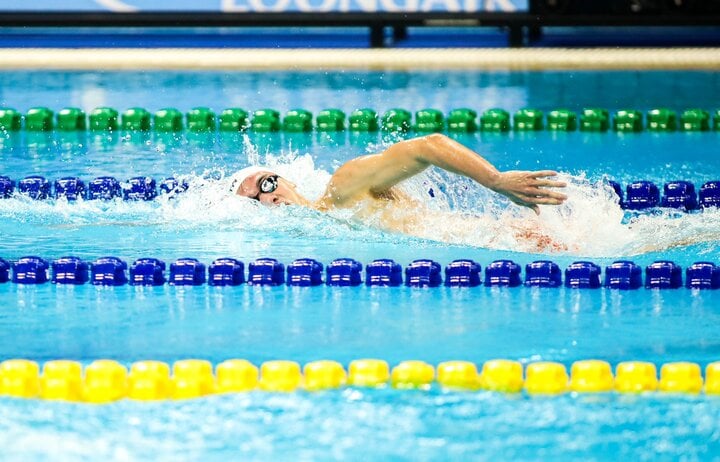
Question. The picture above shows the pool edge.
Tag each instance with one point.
(380, 59)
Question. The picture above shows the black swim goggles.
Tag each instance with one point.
(267, 185)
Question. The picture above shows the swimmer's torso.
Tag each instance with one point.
(392, 210)
(396, 211)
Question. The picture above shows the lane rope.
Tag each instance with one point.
(347, 272)
(638, 195)
(363, 120)
(105, 381)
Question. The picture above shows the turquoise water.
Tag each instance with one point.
(168, 323)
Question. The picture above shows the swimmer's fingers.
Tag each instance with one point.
(531, 192)
(549, 183)
(543, 173)
(525, 203)
(540, 179)
(540, 192)
(526, 200)
(532, 202)
(546, 200)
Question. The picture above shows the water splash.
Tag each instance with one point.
(447, 208)
(590, 223)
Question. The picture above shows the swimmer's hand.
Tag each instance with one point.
(529, 189)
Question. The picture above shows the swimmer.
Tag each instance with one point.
(368, 184)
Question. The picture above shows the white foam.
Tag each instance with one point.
(590, 223)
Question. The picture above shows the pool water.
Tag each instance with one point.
(395, 324)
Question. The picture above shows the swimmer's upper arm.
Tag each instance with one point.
(376, 173)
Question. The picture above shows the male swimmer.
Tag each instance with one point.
(367, 183)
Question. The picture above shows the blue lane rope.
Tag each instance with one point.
(101, 188)
(638, 195)
(344, 272)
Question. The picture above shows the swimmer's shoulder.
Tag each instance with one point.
(392, 196)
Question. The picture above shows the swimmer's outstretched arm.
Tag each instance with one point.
(377, 173)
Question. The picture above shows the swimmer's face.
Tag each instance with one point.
(270, 189)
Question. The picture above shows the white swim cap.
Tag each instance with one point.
(238, 177)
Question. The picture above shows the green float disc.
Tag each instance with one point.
(265, 120)
(364, 120)
(495, 120)
(10, 119)
(103, 118)
(429, 121)
(396, 120)
(200, 119)
(462, 120)
(562, 120)
(695, 120)
(594, 120)
(39, 119)
(233, 120)
(71, 119)
(528, 120)
(331, 120)
(661, 120)
(297, 121)
(168, 120)
(628, 120)
(135, 119)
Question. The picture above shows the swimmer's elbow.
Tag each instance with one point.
(420, 151)
(437, 138)
(431, 141)
(429, 148)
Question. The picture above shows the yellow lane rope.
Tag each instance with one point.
(104, 380)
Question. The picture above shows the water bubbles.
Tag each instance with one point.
(459, 212)
(590, 223)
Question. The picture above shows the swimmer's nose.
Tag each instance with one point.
(274, 199)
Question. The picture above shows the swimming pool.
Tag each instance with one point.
(168, 323)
